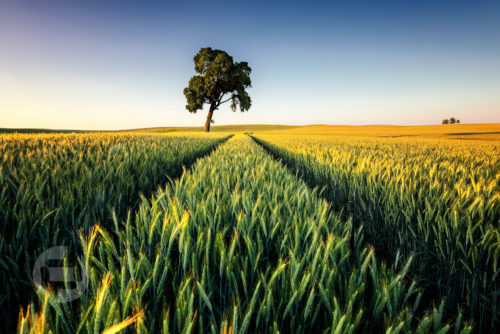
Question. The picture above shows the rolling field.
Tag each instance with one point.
(454, 131)
(284, 229)
(489, 131)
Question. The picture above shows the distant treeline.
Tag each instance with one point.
(452, 120)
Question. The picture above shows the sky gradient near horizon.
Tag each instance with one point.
(124, 64)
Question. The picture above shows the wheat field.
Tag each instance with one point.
(300, 229)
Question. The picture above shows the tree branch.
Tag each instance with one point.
(219, 103)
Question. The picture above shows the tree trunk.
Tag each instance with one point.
(209, 119)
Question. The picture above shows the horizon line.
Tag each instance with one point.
(227, 125)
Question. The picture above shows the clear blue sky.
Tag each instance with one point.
(123, 64)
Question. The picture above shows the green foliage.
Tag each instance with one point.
(53, 185)
(439, 200)
(218, 75)
(237, 245)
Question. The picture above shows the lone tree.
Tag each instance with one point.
(445, 121)
(218, 77)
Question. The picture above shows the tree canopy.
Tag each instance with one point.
(219, 80)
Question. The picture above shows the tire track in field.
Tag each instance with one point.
(344, 215)
(429, 298)
(27, 295)
(312, 185)
(170, 179)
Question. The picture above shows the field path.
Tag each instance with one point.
(433, 199)
(237, 244)
(54, 185)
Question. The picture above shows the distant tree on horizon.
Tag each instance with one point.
(452, 120)
(218, 75)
